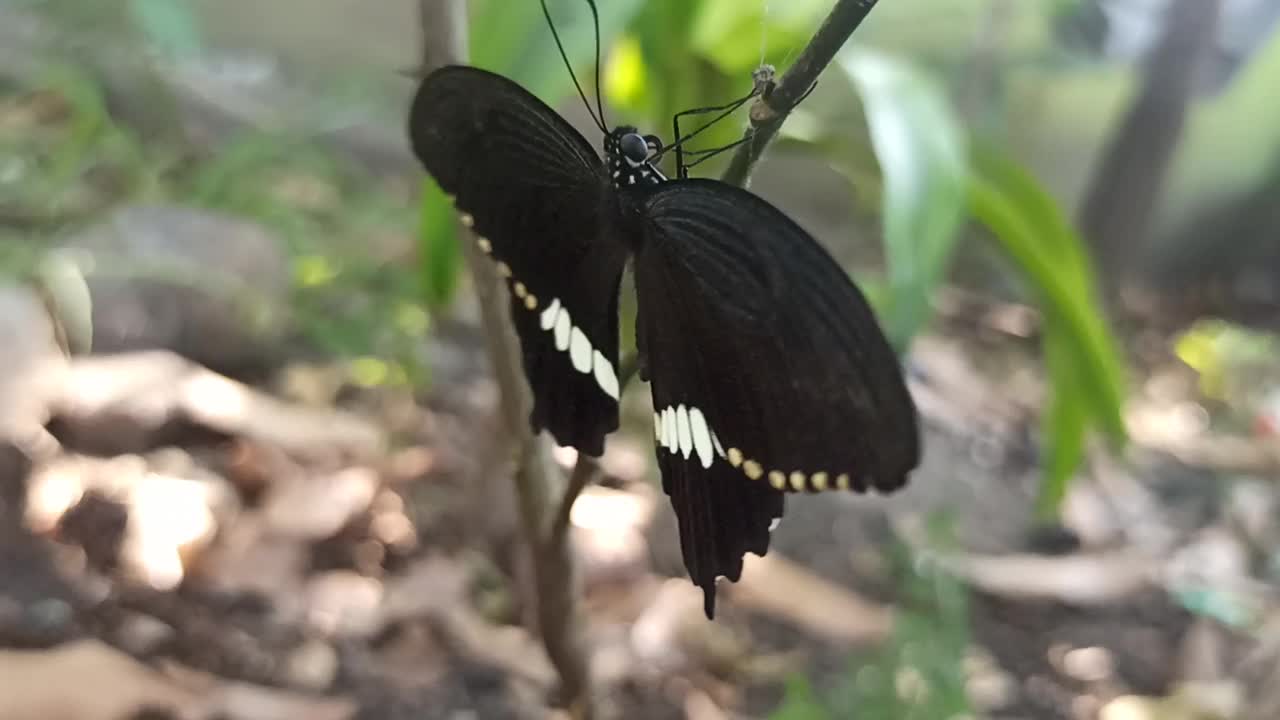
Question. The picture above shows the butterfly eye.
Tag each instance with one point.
(634, 148)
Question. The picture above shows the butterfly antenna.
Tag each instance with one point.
(599, 120)
(595, 21)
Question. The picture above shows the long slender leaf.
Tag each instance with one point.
(439, 256)
(513, 39)
(1083, 360)
(1032, 232)
(921, 151)
(1066, 423)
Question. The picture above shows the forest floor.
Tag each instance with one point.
(310, 549)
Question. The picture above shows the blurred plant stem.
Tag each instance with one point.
(771, 110)
(444, 41)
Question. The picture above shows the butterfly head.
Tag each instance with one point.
(628, 155)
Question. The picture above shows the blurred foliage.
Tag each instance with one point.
(70, 162)
(171, 27)
(1082, 357)
(58, 132)
(1234, 363)
(346, 299)
(920, 671)
(922, 157)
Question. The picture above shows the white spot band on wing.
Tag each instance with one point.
(682, 427)
(606, 377)
(579, 350)
(548, 317)
(701, 436)
(562, 328)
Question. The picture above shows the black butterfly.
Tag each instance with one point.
(768, 370)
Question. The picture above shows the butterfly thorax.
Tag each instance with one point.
(627, 154)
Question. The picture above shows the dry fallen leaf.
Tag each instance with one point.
(85, 680)
(149, 389)
(810, 602)
(1198, 701)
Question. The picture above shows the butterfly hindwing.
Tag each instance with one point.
(537, 198)
(769, 373)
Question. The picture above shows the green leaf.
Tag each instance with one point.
(921, 150)
(1033, 232)
(799, 702)
(733, 34)
(170, 25)
(1083, 359)
(513, 39)
(439, 255)
(680, 80)
(1065, 425)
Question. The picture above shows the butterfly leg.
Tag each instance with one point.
(725, 111)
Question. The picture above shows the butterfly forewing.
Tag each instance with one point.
(769, 373)
(537, 198)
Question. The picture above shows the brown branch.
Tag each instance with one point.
(586, 469)
(585, 472)
(770, 111)
(444, 41)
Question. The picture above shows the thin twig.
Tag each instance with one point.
(586, 469)
(444, 33)
(769, 112)
(585, 472)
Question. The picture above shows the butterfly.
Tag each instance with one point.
(769, 374)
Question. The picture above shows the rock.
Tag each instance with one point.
(37, 602)
(607, 533)
(129, 510)
(26, 327)
(312, 666)
(143, 635)
(248, 560)
(32, 367)
(98, 524)
(206, 286)
(132, 402)
(87, 680)
(315, 508)
(172, 520)
(344, 604)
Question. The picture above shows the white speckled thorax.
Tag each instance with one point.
(628, 169)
